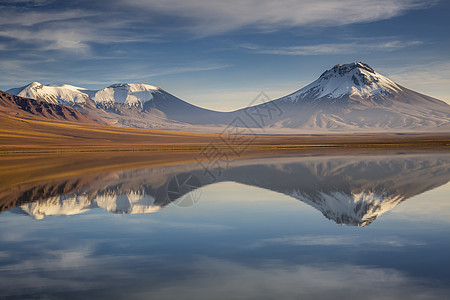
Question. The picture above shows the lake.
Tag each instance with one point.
(307, 226)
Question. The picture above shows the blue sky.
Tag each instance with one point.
(221, 54)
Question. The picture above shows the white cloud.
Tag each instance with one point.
(326, 49)
(185, 69)
(28, 17)
(216, 16)
(22, 72)
(432, 79)
(141, 73)
(73, 36)
(52, 39)
(28, 2)
(74, 28)
(68, 30)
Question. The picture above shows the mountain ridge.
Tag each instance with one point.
(29, 108)
(349, 97)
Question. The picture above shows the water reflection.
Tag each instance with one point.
(255, 230)
(351, 190)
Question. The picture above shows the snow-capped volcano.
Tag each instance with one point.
(354, 80)
(354, 97)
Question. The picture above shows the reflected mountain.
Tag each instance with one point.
(351, 190)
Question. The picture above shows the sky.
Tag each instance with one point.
(222, 54)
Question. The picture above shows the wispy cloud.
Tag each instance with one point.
(27, 2)
(431, 73)
(138, 74)
(339, 48)
(28, 17)
(133, 72)
(51, 39)
(22, 71)
(71, 35)
(429, 78)
(215, 16)
(185, 69)
(73, 28)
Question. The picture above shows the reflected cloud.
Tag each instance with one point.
(203, 278)
(319, 240)
(276, 281)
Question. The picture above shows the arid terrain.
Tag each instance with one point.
(20, 135)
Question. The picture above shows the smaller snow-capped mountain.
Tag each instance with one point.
(155, 101)
(55, 94)
(124, 93)
(17, 106)
(129, 94)
(151, 106)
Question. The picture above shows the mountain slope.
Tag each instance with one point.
(29, 108)
(353, 97)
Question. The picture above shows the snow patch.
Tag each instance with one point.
(131, 94)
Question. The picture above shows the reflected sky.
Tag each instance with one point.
(241, 239)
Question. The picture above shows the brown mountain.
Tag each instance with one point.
(29, 108)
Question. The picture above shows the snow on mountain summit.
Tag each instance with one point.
(354, 79)
(125, 93)
(55, 94)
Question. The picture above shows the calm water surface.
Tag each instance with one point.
(320, 227)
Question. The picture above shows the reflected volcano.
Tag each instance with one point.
(351, 190)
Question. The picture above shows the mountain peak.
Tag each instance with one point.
(134, 86)
(118, 85)
(355, 79)
(35, 84)
(355, 70)
(347, 68)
